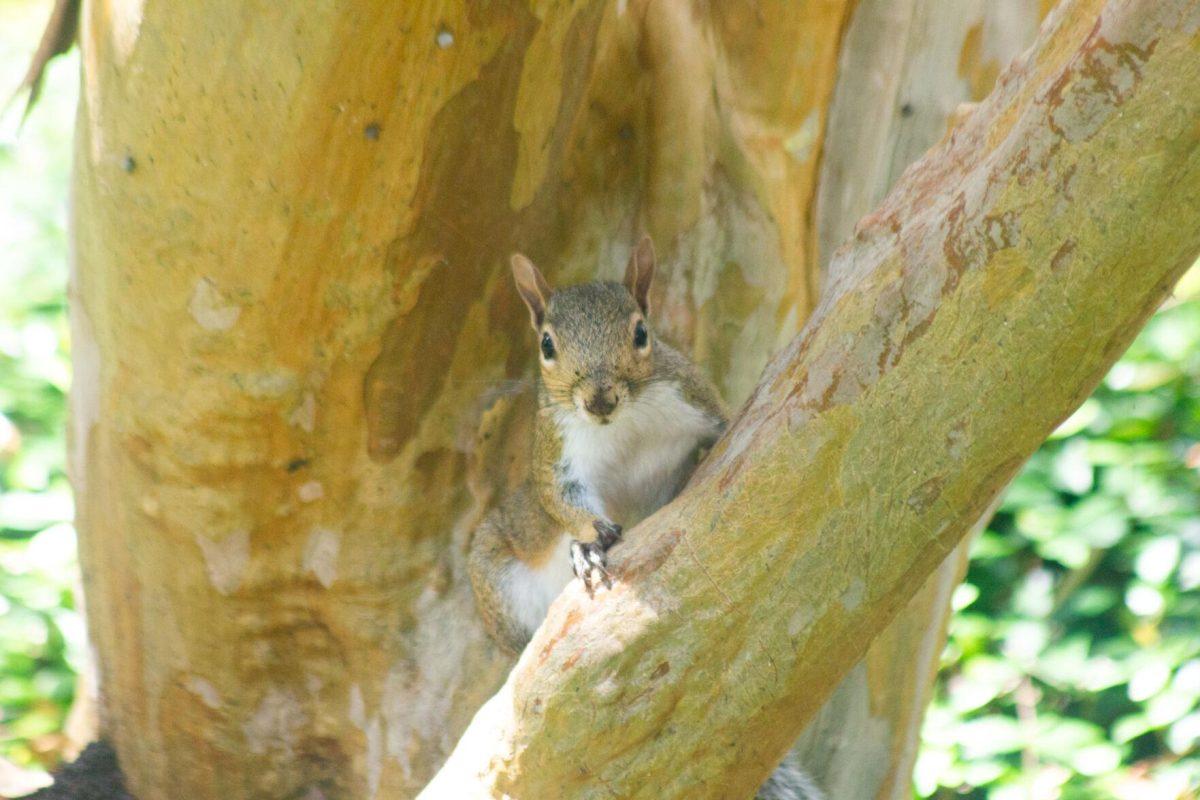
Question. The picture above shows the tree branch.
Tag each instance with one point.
(970, 314)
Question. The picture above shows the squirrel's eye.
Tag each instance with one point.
(640, 337)
(547, 347)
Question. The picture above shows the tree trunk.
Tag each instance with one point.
(296, 339)
(299, 360)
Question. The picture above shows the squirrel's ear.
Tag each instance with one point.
(533, 288)
(639, 274)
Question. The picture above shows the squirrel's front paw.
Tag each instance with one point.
(589, 562)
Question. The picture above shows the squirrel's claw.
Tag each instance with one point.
(588, 561)
(607, 533)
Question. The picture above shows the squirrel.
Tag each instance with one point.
(622, 421)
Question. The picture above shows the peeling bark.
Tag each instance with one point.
(950, 342)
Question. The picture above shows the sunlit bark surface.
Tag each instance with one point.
(971, 312)
(300, 365)
(904, 70)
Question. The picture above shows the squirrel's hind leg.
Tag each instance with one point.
(518, 563)
(488, 562)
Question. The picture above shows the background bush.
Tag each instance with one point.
(41, 635)
(1073, 665)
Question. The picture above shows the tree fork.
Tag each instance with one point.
(969, 315)
(289, 299)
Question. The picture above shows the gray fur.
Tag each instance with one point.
(789, 782)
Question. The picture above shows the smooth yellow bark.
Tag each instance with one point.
(296, 342)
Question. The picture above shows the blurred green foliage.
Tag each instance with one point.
(41, 636)
(1073, 666)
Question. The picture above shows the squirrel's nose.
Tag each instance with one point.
(601, 403)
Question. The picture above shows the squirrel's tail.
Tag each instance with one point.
(789, 782)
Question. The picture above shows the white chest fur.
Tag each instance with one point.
(630, 467)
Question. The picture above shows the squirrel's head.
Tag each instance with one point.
(594, 340)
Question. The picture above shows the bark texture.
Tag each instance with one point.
(970, 314)
(904, 70)
(299, 362)
(299, 358)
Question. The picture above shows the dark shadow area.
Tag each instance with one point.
(95, 775)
